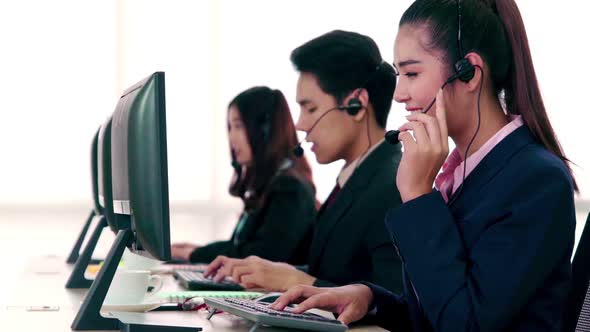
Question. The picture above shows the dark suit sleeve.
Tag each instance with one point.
(324, 283)
(385, 266)
(385, 263)
(391, 310)
(206, 254)
(286, 220)
(483, 288)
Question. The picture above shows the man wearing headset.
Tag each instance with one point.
(345, 92)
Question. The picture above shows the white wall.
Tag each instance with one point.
(558, 34)
(65, 62)
(56, 84)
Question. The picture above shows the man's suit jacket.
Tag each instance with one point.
(350, 241)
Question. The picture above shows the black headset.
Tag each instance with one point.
(464, 72)
(354, 104)
(353, 107)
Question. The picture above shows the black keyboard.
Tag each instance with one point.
(260, 313)
(193, 280)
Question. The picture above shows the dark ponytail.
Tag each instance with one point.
(521, 93)
(494, 29)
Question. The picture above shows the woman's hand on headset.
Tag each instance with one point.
(424, 153)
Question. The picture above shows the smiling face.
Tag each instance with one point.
(422, 72)
(333, 136)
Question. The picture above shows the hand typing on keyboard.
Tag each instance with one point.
(351, 302)
(197, 281)
(263, 314)
(286, 312)
(255, 272)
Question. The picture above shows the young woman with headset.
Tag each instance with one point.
(489, 248)
(276, 188)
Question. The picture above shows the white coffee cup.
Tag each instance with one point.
(131, 287)
(131, 261)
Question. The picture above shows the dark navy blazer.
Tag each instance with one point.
(350, 241)
(497, 258)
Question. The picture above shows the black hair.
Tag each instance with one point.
(271, 134)
(343, 61)
(494, 29)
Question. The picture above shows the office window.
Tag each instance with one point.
(66, 62)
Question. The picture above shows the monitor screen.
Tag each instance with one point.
(102, 158)
(104, 178)
(139, 166)
(94, 173)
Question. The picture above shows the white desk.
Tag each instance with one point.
(42, 284)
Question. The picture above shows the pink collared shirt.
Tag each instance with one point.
(451, 177)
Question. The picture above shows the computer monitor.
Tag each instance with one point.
(139, 189)
(96, 210)
(94, 172)
(139, 166)
(102, 189)
(105, 181)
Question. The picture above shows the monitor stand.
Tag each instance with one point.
(89, 317)
(77, 278)
(75, 253)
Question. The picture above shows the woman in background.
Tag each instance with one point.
(276, 188)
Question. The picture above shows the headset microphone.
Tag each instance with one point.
(392, 136)
(464, 73)
(298, 150)
(353, 107)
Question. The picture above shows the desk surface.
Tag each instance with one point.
(42, 284)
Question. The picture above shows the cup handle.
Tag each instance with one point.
(156, 282)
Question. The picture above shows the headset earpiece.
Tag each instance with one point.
(353, 107)
(464, 70)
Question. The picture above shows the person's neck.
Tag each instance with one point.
(492, 120)
(363, 144)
